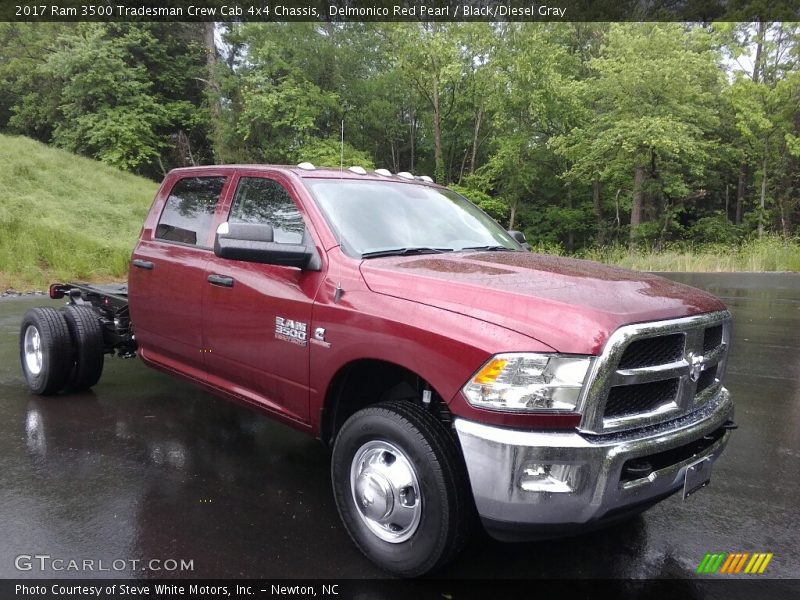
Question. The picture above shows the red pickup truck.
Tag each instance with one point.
(453, 373)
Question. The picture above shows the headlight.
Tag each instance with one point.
(528, 382)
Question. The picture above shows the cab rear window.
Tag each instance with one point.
(189, 210)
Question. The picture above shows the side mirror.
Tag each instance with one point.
(253, 242)
(520, 237)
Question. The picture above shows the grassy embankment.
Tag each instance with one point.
(771, 253)
(63, 217)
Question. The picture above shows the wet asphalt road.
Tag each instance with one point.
(145, 467)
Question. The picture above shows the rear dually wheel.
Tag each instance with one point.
(45, 350)
(87, 340)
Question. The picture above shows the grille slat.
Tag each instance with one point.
(626, 400)
(652, 351)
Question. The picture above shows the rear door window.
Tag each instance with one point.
(189, 211)
(265, 201)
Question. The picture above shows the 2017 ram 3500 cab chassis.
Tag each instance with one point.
(451, 371)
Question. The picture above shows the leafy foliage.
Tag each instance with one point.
(122, 93)
(579, 134)
(494, 207)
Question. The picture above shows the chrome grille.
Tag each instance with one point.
(652, 351)
(654, 372)
(640, 397)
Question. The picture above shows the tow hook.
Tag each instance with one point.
(729, 425)
(637, 469)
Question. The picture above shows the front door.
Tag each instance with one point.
(256, 317)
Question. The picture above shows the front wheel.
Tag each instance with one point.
(401, 488)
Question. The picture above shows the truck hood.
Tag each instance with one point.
(568, 304)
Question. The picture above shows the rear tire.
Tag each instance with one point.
(45, 350)
(87, 339)
(401, 488)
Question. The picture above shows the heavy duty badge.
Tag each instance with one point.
(291, 331)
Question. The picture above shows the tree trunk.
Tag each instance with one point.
(213, 92)
(451, 158)
(650, 204)
(513, 214)
(598, 211)
(727, 201)
(461, 171)
(570, 233)
(638, 201)
(757, 70)
(741, 187)
(413, 137)
(437, 131)
(394, 157)
(784, 225)
(478, 119)
(763, 190)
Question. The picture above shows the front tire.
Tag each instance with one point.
(45, 350)
(401, 488)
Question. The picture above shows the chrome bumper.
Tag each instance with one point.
(562, 480)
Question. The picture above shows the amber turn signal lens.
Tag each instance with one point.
(491, 371)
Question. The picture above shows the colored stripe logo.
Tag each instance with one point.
(732, 563)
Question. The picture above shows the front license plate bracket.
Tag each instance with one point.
(697, 476)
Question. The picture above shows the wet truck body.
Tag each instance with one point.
(456, 376)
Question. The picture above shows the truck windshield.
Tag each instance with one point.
(383, 218)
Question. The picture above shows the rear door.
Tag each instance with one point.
(256, 317)
(167, 273)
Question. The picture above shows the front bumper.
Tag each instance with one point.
(529, 484)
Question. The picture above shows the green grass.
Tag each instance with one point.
(63, 217)
(770, 253)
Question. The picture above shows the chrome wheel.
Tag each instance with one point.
(386, 491)
(33, 350)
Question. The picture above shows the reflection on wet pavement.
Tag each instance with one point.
(147, 467)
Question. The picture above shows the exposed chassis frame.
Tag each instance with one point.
(110, 302)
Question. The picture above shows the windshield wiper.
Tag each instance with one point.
(489, 248)
(404, 251)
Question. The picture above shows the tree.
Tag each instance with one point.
(765, 111)
(107, 109)
(536, 102)
(29, 99)
(127, 94)
(653, 100)
(430, 60)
